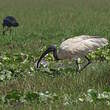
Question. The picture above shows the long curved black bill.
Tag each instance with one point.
(43, 55)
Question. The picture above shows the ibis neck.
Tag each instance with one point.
(52, 49)
(55, 55)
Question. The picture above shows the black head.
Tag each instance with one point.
(51, 48)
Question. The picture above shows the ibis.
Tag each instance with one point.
(74, 48)
(8, 22)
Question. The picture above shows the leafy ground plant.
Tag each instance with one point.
(46, 22)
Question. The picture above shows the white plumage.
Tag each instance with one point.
(76, 47)
(79, 46)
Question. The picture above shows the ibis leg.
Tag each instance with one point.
(86, 64)
(3, 30)
(10, 30)
(77, 66)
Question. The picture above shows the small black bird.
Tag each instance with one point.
(8, 22)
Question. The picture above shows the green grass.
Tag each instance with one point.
(46, 22)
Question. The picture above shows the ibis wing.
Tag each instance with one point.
(76, 47)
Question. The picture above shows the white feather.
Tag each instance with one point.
(79, 46)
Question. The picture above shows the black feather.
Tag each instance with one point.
(10, 21)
